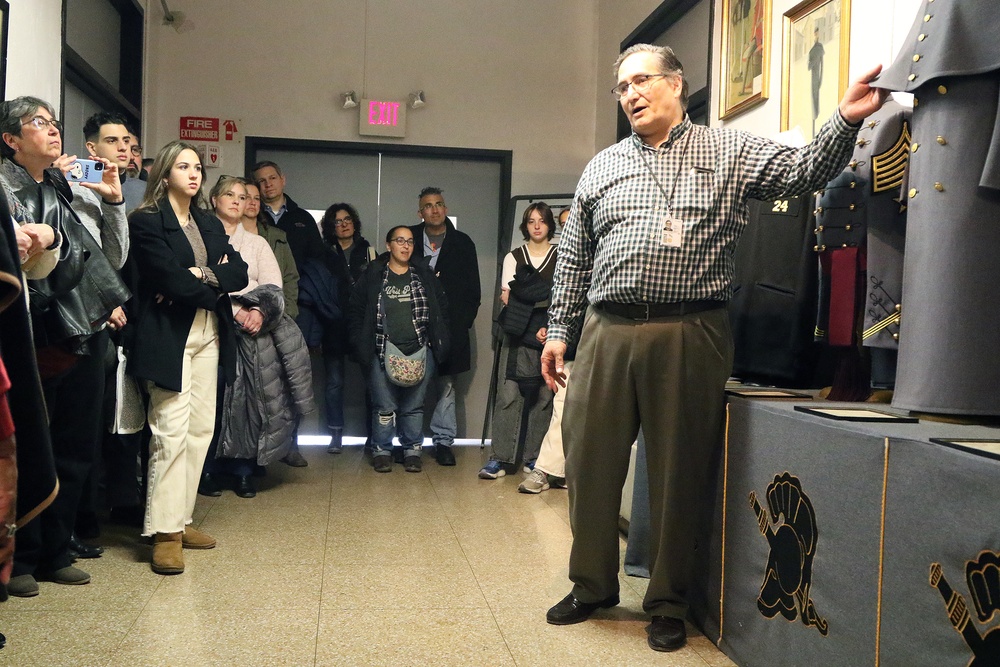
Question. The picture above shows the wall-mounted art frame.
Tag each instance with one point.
(746, 39)
(859, 413)
(4, 19)
(814, 62)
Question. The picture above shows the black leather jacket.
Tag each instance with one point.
(76, 299)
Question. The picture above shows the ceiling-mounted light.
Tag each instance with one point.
(417, 100)
(350, 99)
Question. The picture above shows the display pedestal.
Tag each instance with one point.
(827, 534)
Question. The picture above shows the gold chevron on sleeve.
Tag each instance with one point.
(888, 167)
(876, 328)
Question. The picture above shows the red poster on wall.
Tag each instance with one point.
(196, 128)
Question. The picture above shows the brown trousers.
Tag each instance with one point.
(667, 375)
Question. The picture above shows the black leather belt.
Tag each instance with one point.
(648, 311)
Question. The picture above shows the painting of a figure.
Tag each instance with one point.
(745, 63)
(815, 57)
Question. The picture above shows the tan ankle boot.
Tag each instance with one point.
(195, 539)
(167, 555)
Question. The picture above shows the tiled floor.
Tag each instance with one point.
(335, 564)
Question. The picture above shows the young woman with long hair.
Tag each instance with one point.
(182, 331)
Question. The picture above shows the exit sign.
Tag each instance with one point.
(382, 118)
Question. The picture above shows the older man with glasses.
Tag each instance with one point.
(135, 167)
(647, 256)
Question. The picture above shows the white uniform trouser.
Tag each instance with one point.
(182, 424)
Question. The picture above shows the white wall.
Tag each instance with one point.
(878, 28)
(34, 50)
(616, 21)
(516, 76)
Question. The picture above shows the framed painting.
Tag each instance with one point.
(4, 18)
(814, 63)
(746, 39)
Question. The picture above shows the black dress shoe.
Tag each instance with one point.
(444, 455)
(245, 487)
(208, 486)
(666, 634)
(78, 549)
(569, 610)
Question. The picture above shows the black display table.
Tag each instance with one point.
(849, 543)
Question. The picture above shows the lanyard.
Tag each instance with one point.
(673, 186)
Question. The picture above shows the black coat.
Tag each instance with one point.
(458, 270)
(36, 479)
(302, 233)
(335, 334)
(364, 302)
(162, 256)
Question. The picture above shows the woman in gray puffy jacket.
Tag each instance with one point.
(260, 411)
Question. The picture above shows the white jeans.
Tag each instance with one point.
(182, 424)
(551, 458)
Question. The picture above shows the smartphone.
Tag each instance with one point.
(85, 171)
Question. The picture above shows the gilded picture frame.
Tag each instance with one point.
(746, 36)
(814, 63)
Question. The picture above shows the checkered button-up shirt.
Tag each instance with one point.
(612, 247)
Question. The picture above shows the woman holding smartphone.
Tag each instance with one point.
(182, 331)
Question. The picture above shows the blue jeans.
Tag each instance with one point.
(334, 391)
(397, 410)
(444, 422)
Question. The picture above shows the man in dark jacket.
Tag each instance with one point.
(451, 255)
(303, 239)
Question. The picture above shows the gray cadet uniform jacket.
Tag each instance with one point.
(865, 208)
(950, 305)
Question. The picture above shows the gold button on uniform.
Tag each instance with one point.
(941, 140)
(895, 337)
(939, 187)
(921, 37)
(916, 57)
(913, 193)
(927, 17)
(914, 147)
(912, 77)
(942, 90)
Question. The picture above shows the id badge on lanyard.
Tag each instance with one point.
(673, 232)
(673, 227)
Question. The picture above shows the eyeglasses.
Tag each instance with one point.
(343, 222)
(640, 83)
(434, 204)
(136, 149)
(400, 240)
(42, 123)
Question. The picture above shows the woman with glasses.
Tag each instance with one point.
(273, 387)
(342, 231)
(522, 396)
(181, 332)
(400, 307)
(69, 309)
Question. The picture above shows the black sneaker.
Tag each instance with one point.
(382, 463)
(412, 464)
(444, 455)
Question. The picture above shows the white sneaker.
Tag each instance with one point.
(536, 482)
